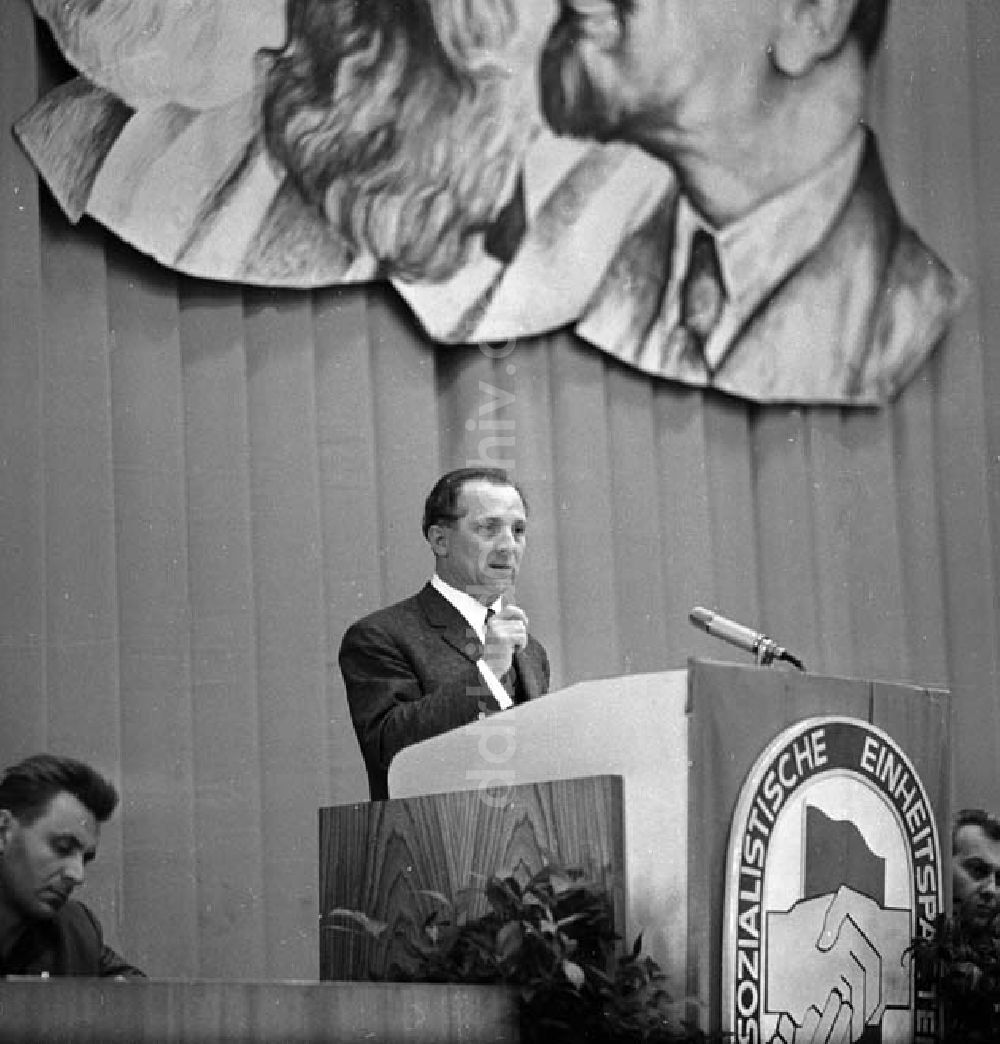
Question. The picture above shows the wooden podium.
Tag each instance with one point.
(682, 743)
(398, 862)
(634, 727)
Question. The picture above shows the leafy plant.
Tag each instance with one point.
(964, 965)
(551, 935)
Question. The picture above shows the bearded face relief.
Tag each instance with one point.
(514, 167)
(405, 125)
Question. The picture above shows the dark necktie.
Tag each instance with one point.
(702, 292)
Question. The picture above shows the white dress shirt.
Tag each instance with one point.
(475, 615)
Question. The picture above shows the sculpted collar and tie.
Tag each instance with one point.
(758, 251)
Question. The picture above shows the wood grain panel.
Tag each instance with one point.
(398, 861)
(75, 1011)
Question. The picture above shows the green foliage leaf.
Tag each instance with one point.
(509, 940)
(551, 934)
(574, 973)
(964, 965)
(367, 924)
(438, 897)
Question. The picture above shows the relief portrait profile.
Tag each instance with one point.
(690, 188)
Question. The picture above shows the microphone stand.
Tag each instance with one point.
(768, 652)
(765, 650)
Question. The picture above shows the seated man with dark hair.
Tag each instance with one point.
(51, 809)
(975, 855)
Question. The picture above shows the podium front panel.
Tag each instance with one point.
(401, 862)
(634, 727)
(736, 714)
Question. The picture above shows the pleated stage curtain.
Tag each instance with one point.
(202, 485)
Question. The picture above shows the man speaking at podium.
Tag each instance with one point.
(459, 649)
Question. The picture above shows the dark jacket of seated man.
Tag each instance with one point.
(51, 809)
(72, 943)
(460, 648)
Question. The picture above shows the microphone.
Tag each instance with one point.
(759, 645)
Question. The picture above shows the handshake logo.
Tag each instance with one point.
(834, 866)
(834, 965)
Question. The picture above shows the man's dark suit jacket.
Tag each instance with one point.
(70, 944)
(410, 671)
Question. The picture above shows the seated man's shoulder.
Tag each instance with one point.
(78, 919)
(79, 934)
(83, 948)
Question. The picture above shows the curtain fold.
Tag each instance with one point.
(202, 486)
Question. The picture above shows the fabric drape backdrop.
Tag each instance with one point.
(202, 485)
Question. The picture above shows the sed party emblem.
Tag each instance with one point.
(834, 866)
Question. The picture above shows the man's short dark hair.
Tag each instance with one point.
(441, 506)
(27, 788)
(867, 25)
(977, 817)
